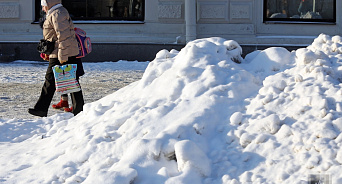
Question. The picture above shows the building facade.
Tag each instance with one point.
(128, 29)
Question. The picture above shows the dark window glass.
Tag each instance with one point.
(129, 10)
(300, 10)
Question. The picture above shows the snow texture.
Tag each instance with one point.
(196, 116)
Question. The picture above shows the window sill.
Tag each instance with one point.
(299, 22)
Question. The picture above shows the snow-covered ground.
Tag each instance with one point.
(21, 83)
(195, 116)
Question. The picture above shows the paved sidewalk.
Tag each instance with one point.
(17, 96)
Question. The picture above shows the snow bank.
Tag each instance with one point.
(197, 116)
(298, 112)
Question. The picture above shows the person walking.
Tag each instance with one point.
(58, 27)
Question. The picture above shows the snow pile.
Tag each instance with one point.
(294, 121)
(197, 116)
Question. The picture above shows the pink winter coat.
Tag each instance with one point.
(59, 27)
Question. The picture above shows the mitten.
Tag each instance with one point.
(45, 57)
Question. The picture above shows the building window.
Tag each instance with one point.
(300, 10)
(128, 10)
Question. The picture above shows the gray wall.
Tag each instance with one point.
(109, 52)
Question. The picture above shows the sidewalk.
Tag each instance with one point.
(21, 84)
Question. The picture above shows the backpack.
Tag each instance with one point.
(84, 43)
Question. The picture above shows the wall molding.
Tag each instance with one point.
(212, 12)
(170, 11)
(241, 11)
(9, 10)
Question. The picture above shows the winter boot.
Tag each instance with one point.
(62, 104)
(68, 109)
(36, 112)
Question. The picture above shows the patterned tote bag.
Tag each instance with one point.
(65, 77)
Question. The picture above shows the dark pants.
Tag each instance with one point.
(49, 87)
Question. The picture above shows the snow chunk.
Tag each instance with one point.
(326, 130)
(261, 138)
(234, 50)
(267, 99)
(246, 177)
(280, 85)
(338, 124)
(271, 124)
(165, 54)
(339, 156)
(305, 56)
(236, 118)
(298, 78)
(246, 139)
(271, 60)
(284, 132)
(190, 156)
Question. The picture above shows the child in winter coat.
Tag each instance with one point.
(58, 27)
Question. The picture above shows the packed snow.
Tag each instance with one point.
(199, 115)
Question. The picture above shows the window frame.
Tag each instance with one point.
(96, 20)
(297, 20)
